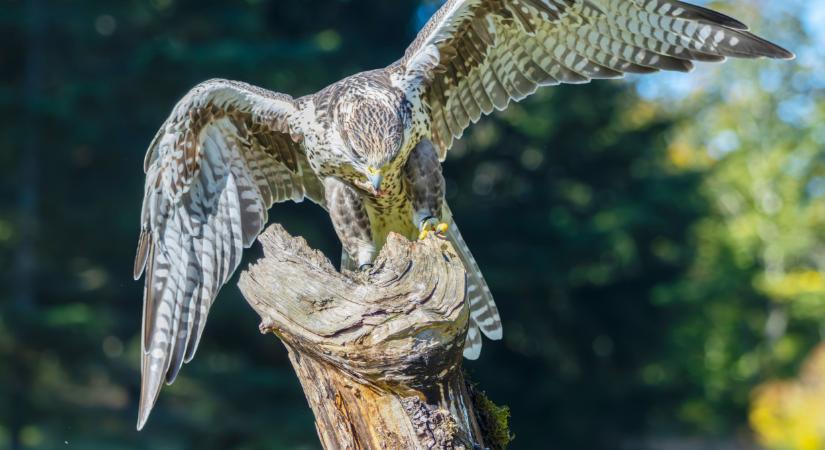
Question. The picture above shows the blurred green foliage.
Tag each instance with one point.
(654, 258)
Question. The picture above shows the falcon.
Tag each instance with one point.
(369, 148)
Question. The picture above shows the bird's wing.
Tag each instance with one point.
(222, 158)
(474, 56)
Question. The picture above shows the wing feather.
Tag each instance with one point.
(219, 162)
(494, 51)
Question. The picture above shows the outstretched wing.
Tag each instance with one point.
(474, 56)
(223, 157)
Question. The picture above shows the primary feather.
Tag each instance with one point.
(218, 163)
(491, 52)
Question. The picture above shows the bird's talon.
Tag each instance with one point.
(365, 267)
(433, 226)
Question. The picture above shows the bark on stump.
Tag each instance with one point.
(378, 354)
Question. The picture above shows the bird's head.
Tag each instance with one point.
(373, 131)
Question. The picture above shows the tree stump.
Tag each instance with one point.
(378, 353)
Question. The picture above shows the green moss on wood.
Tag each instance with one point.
(493, 419)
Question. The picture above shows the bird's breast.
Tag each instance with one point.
(392, 212)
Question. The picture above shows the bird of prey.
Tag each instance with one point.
(369, 148)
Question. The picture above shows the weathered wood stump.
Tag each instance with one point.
(378, 354)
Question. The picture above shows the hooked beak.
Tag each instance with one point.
(376, 177)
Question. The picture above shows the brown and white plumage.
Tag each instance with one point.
(368, 148)
(216, 166)
(490, 52)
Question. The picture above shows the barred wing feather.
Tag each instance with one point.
(223, 157)
(475, 56)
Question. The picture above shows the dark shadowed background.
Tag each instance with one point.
(655, 245)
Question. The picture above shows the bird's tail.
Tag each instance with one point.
(483, 311)
(348, 262)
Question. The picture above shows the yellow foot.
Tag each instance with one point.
(433, 226)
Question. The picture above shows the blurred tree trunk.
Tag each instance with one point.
(378, 354)
(23, 300)
(28, 172)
